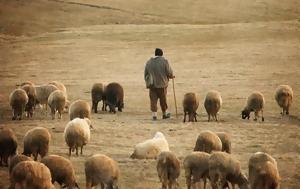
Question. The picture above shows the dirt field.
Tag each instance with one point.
(234, 58)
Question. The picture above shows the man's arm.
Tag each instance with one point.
(169, 70)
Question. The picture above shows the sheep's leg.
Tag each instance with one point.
(208, 117)
(262, 115)
(76, 150)
(70, 151)
(287, 111)
(35, 156)
(255, 115)
(170, 184)
(204, 181)
(184, 118)
(195, 117)
(81, 150)
(102, 185)
(163, 185)
(53, 113)
(188, 181)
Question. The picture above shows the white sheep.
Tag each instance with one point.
(151, 148)
(196, 167)
(77, 134)
(212, 104)
(43, 92)
(190, 105)
(57, 102)
(36, 141)
(255, 103)
(18, 100)
(263, 171)
(168, 169)
(284, 98)
(101, 169)
(208, 141)
(223, 168)
(80, 109)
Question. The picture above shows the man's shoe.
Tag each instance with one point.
(166, 116)
(154, 118)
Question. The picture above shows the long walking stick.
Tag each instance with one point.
(174, 97)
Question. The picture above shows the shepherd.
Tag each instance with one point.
(157, 74)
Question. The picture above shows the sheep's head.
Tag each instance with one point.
(245, 114)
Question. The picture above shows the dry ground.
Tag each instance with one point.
(234, 58)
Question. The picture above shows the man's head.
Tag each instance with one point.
(158, 52)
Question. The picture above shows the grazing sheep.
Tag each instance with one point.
(36, 141)
(223, 168)
(114, 97)
(168, 169)
(8, 145)
(43, 92)
(77, 134)
(284, 97)
(208, 141)
(56, 102)
(60, 86)
(263, 172)
(62, 170)
(31, 93)
(212, 104)
(31, 175)
(196, 167)
(80, 109)
(18, 100)
(100, 169)
(151, 148)
(226, 141)
(190, 106)
(255, 103)
(14, 160)
(98, 94)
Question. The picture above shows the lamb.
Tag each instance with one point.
(114, 97)
(61, 169)
(101, 169)
(31, 93)
(190, 106)
(8, 145)
(212, 104)
(57, 102)
(18, 100)
(226, 141)
(98, 94)
(31, 174)
(168, 169)
(284, 97)
(263, 172)
(80, 109)
(196, 167)
(36, 142)
(43, 92)
(151, 148)
(255, 102)
(14, 160)
(223, 168)
(77, 134)
(208, 141)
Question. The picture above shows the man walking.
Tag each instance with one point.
(157, 74)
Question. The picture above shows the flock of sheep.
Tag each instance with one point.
(211, 158)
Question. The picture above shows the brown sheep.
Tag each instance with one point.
(190, 106)
(212, 104)
(226, 141)
(114, 97)
(57, 102)
(284, 98)
(80, 109)
(8, 145)
(255, 103)
(168, 169)
(208, 141)
(98, 94)
(31, 93)
(18, 100)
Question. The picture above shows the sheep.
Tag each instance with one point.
(263, 172)
(255, 102)
(25, 83)
(196, 167)
(151, 148)
(18, 100)
(208, 141)
(101, 169)
(226, 141)
(114, 94)
(36, 142)
(14, 160)
(80, 109)
(43, 92)
(60, 86)
(223, 168)
(190, 106)
(8, 145)
(77, 134)
(212, 104)
(98, 94)
(31, 174)
(61, 169)
(56, 102)
(284, 97)
(168, 169)
(31, 93)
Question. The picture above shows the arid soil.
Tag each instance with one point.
(235, 56)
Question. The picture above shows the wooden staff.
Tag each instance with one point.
(174, 97)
